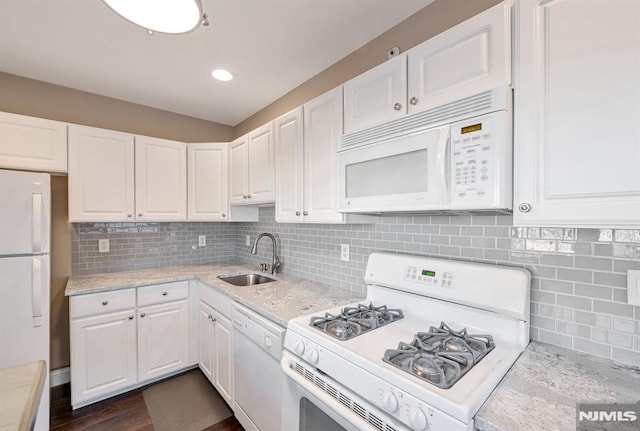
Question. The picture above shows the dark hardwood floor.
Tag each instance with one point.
(126, 412)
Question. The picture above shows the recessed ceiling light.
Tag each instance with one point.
(222, 75)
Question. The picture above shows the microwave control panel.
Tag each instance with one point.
(481, 162)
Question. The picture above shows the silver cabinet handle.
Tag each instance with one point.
(397, 106)
(105, 302)
(305, 213)
(214, 320)
(164, 293)
(224, 215)
(129, 215)
(142, 314)
(524, 207)
(244, 196)
(139, 214)
(130, 317)
(209, 317)
(413, 100)
(248, 196)
(297, 213)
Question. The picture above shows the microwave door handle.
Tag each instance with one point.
(444, 166)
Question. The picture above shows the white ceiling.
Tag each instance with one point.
(270, 46)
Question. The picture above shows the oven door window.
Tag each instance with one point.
(314, 419)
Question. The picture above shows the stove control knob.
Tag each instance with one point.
(389, 402)
(299, 347)
(313, 356)
(417, 419)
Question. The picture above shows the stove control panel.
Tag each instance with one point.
(430, 276)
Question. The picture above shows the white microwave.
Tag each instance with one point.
(460, 163)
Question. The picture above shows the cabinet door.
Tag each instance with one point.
(161, 180)
(205, 340)
(377, 96)
(103, 355)
(32, 143)
(238, 171)
(101, 175)
(470, 58)
(261, 165)
(223, 358)
(322, 127)
(289, 166)
(207, 182)
(163, 339)
(577, 101)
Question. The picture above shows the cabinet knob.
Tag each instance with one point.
(305, 213)
(164, 293)
(130, 317)
(224, 215)
(244, 196)
(209, 317)
(297, 213)
(105, 302)
(524, 207)
(248, 196)
(397, 106)
(129, 215)
(139, 214)
(214, 320)
(413, 100)
(142, 314)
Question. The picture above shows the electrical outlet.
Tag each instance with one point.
(247, 240)
(633, 287)
(103, 245)
(344, 252)
(202, 240)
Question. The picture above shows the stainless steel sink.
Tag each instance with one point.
(246, 279)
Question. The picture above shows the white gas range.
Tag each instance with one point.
(423, 351)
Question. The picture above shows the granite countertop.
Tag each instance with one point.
(20, 392)
(286, 298)
(540, 392)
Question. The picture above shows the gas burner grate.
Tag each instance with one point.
(440, 356)
(353, 321)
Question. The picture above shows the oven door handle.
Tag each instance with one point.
(332, 402)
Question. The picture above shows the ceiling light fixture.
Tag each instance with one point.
(161, 16)
(222, 75)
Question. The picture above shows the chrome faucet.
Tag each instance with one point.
(275, 264)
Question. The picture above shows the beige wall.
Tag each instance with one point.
(39, 99)
(424, 24)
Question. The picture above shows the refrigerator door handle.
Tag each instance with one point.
(36, 218)
(36, 291)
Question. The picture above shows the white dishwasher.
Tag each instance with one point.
(258, 378)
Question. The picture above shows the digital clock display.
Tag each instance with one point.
(428, 273)
(472, 128)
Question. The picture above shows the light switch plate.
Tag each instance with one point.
(633, 287)
(344, 252)
(103, 245)
(202, 240)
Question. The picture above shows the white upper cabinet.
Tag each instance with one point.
(161, 179)
(261, 164)
(472, 57)
(207, 182)
(33, 144)
(577, 111)
(251, 167)
(289, 166)
(239, 171)
(101, 175)
(377, 96)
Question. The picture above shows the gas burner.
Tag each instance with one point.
(353, 321)
(441, 356)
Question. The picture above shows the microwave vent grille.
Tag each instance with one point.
(478, 103)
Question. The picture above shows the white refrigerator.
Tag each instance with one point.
(25, 220)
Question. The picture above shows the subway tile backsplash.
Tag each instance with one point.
(578, 296)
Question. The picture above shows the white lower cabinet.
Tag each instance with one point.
(125, 338)
(163, 339)
(103, 355)
(215, 350)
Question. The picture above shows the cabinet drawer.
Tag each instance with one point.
(100, 303)
(159, 293)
